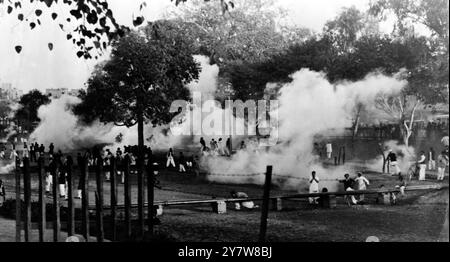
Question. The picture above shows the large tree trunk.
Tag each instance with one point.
(140, 170)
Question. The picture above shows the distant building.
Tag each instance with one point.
(8, 92)
(74, 92)
(56, 92)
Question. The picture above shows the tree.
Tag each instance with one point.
(348, 27)
(428, 81)
(93, 25)
(27, 114)
(432, 14)
(5, 109)
(147, 71)
(250, 32)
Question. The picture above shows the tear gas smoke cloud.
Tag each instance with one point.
(308, 105)
(406, 156)
(60, 126)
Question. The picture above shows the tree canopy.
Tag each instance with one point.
(148, 70)
(89, 24)
(27, 114)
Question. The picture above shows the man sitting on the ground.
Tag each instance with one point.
(2, 193)
(246, 204)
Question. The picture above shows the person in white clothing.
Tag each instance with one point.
(441, 165)
(329, 150)
(431, 159)
(246, 204)
(170, 159)
(313, 187)
(422, 166)
(362, 183)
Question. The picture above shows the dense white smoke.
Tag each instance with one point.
(406, 156)
(307, 106)
(7, 168)
(60, 126)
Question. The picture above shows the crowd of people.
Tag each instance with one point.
(360, 182)
(216, 147)
(384, 130)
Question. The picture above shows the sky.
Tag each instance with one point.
(38, 68)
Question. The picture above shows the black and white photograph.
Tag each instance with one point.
(224, 121)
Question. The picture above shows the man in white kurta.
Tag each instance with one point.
(362, 183)
(422, 166)
(329, 150)
(313, 187)
(441, 165)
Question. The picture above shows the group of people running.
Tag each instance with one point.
(350, 184)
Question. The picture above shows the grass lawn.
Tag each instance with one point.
(419, 216)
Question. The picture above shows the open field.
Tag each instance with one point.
(419, 216)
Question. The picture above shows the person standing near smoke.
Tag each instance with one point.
(220, 151)
(348, 186)
(48, 175)
(313, 187)
(51, 147)
(202, 144)
(228, 148)
(182, 160)
(363, 183)
(422, 166)
(31, 152)
(442, 164)
(36, 151)
(2, 193)
(120, 165)
(170, 159)
(42, 149)
(431, 159)
(392, 161)
(107, 163)
(329, 149)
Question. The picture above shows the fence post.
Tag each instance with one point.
(265, 205)
(42, 207)
(27, 196)
(18, 200)
(113, 201)
(54, 169)
(127, 192)
(140, 178)
(99, 213)
(85, 198)
(99, 200)
(339, 156)
(343, 155)
(70, 206)
(150, 196)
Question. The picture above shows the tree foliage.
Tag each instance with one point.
(27, 114)
(148, 70)
(251, 31)
(89, 24)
